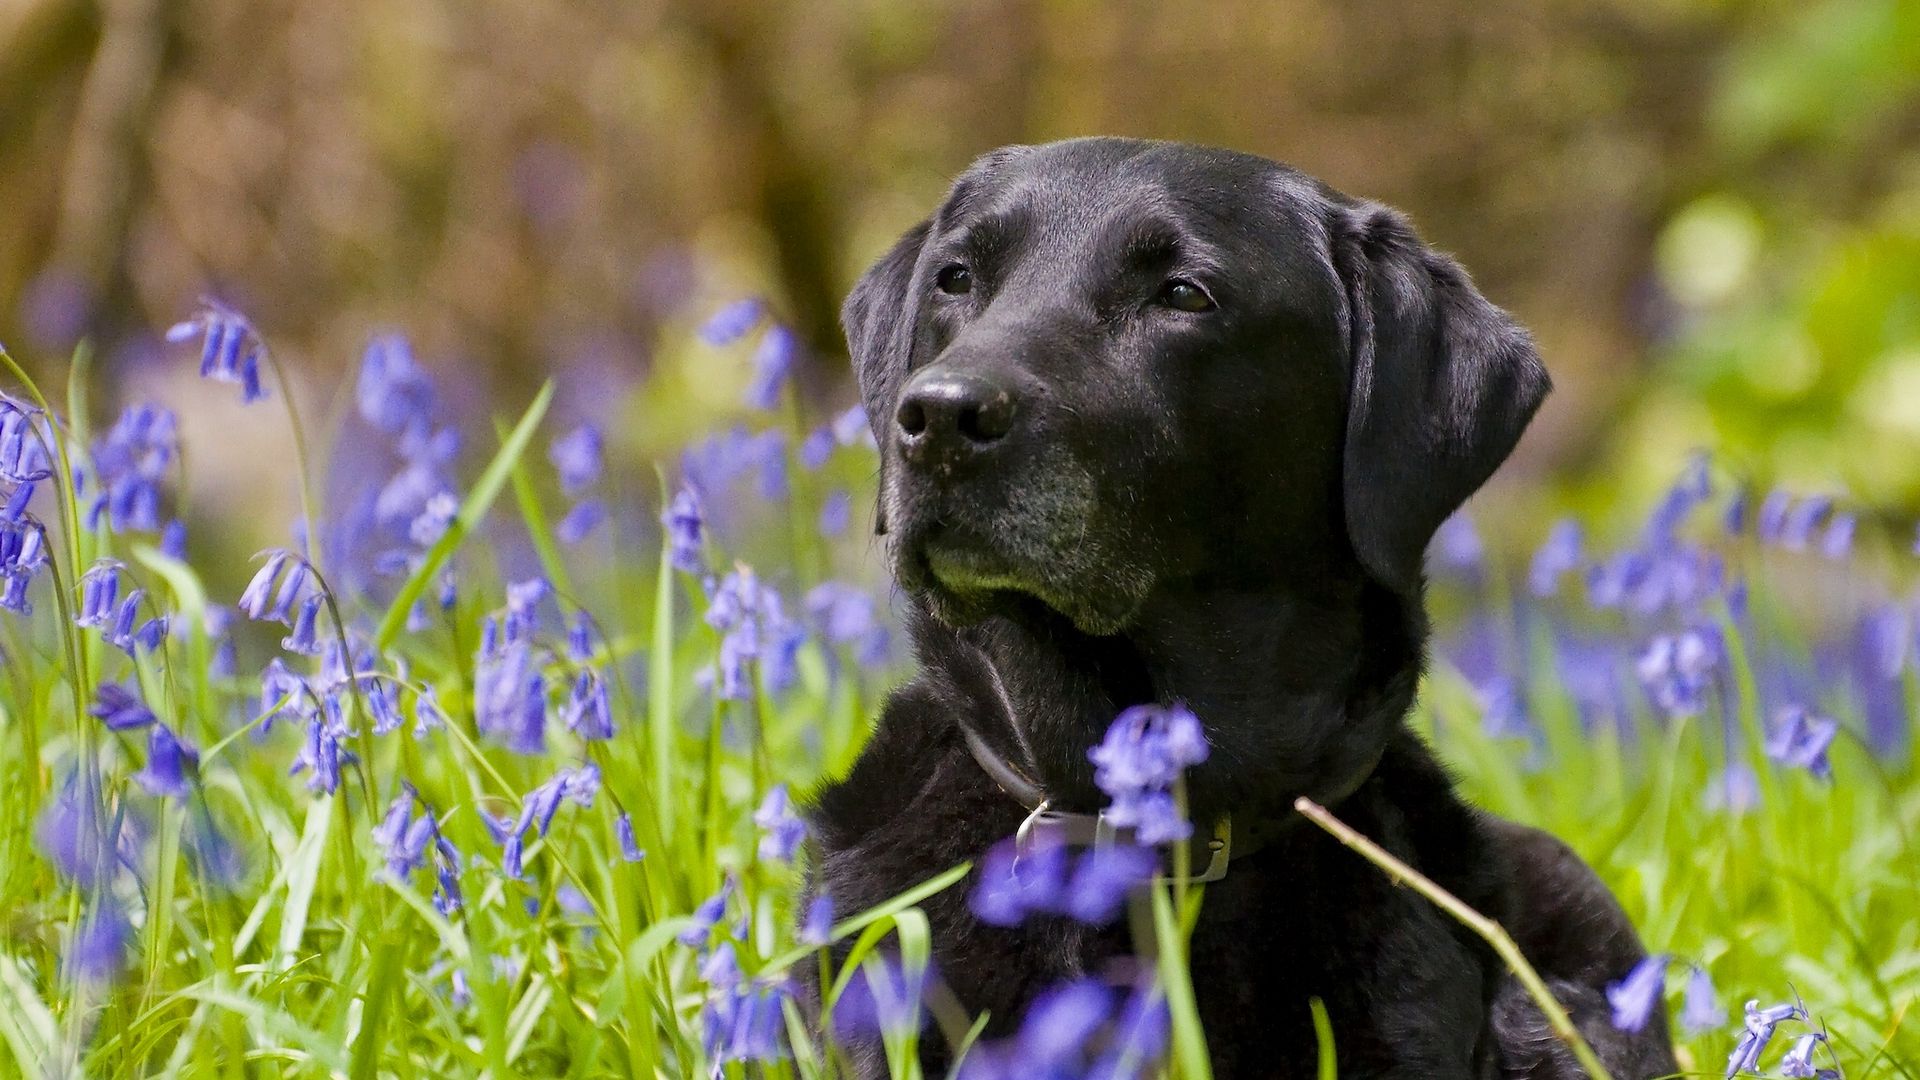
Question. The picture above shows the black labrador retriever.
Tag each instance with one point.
(1163, 423)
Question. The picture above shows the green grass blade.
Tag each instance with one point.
(478, 501)
(661, 728)
(1323, 1035)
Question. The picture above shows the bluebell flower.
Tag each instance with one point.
(586, 711)
(1103, 879)
(173, 540)
(305, 638)
(706, 917)
(1140, 1036)
(120, 631)
(427, 714)
(282, 691)
(581, 521)
(98, 952)
(770, 453)
(1456, 546)
(1503, 708)
(1153, 816)
(1692, 487)
(1010, 885)
(772, 365)
(231, 349)
(401, 843)
(816, 928)
(24, 437)
(459, 991)
(499, 828)
(79, 835)
(321, 753)
(1796, 531)
(1678, 669)
(131, 462)
(745, 1023)
(334, 669)
(623, 831)
(732, 322)
(686, 531)
(22, 554)
(836, 511)
(1734, 519)
(293, 589)
(1758, 1032)
(1143, 753)
(816, 448)
(1635, 997)
(120, 708)
(13, 592)
(720, 968)
(150, 635)
(447, 897)
(14, 509)
(881, 998)
(715, 465)
(216, 859)
(1702, 1012)
(523, 606)
(408, 841)
(382, 705)
(781, 830)
(393, 393)
(1837, 544)
(510, 697)
(580, 635)
(754, 627)
(538, 809)
(512, 854)
(1798, 1060)
(407, 495)
(170, 763)
(851, 427)
(844, 614)
(1801, 738)
(578, 457)
(259, 593)
(1558, 556)
(1058, 1025)
(1887, 635)
(1774, 509)
(1734, 789)
(435, 517)
(99, 591)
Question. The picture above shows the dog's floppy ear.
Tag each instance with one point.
(878, 318)
(1443, 383)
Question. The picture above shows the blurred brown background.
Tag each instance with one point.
(1666, 191)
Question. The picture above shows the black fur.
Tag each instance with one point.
(1226, 508)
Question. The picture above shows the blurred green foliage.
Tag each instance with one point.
(1791, 336)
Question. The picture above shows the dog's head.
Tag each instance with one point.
(1107, 366)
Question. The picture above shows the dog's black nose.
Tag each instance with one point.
(953, 413)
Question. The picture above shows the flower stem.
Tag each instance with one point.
(1489, 930)
(309, 511)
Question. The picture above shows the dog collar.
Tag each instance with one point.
(1208, 855)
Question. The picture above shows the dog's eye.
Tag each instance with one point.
(1183, 295)
(954, 280)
